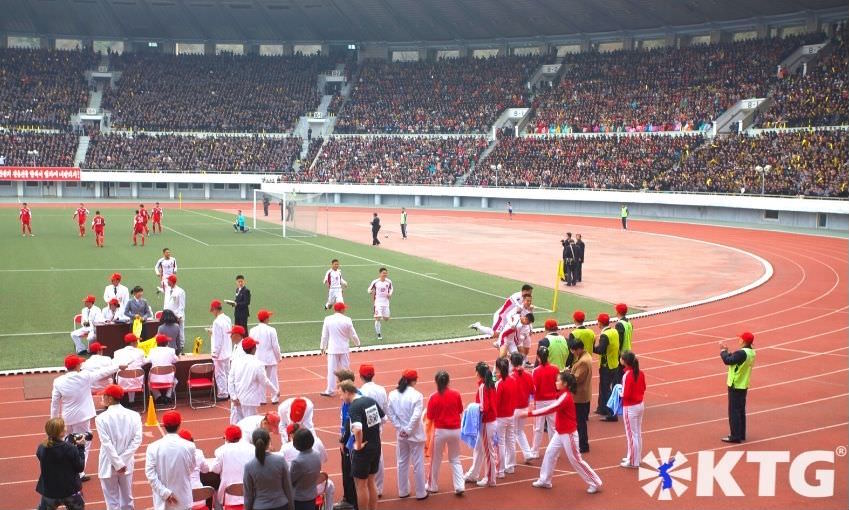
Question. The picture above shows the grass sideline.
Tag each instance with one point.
(47, 276)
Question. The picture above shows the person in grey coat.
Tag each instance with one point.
(267, 484)
(305, 470)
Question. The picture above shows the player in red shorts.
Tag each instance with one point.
(138, 227)
(80, 214)
(146, 216)
(26, 220)
(156, 216)
(97, 225)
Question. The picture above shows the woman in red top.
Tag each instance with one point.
(524, 391)
(633, 389)
(505, 390)
(545, 392)
(566, 425)
(444, 409)
(484, 468)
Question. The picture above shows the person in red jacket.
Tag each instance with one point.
(545, 392)
(524, 391)
(505, 390)
(633, 389)
(444, 409)
(566, 437)
(484, 468)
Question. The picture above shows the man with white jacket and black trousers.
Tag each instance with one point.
(246, 383)
(337, 332)
(405, 410)
(267, 351)
(120, 433)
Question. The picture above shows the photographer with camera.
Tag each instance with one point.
(61, 462)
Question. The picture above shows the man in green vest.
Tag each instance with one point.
(623, 212)
(740, 365)
(625, 330)
(582, 334)
(403, 223)
(607, 348)
(558, 349)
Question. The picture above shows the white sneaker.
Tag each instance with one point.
(592, 489)
(540, 485)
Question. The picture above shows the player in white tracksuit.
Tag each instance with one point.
(335, 284)
(499, 318)
(381, 291)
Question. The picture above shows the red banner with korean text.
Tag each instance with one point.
(39, 173)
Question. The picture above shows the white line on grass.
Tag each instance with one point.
(187, 236)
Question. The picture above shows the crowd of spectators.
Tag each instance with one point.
(255, 154)
(626, 162)
(42, 88)
(463, 95)
(394, 160)
(228, 93)
(814, 163)
(667, 89)
(54, 149)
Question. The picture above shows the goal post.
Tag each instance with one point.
(291, 213)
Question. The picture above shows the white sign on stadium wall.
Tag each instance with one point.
(39, 173)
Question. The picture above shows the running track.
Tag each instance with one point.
(798, 400)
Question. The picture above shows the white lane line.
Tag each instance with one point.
(187, 236)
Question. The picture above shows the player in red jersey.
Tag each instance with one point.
(156, 216)
(138, 227)
(80, 214)
(26, 220)
(146, 216)
(97, 225)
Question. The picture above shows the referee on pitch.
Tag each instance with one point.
(740, 365)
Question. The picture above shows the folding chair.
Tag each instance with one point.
(158, 315)
(133, 373)
(200, 378)
(235, 489)
(78, 321)
(164, 386)
(321, 502)
(204, 494)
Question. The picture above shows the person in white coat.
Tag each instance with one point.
(116, 291)
(337, 333)
(162, 356)
(71, 397)
(120, 433)
(246, 383)
(90, 314)
(269, 421)
(297, 410)
(201, 465)
(405, 410)
(168, 465)
(131, 357)
(377, 392)
(220, 347)
(175, 300)
(229, 462)
(95, 362)
(267, 351)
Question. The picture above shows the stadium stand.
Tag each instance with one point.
(394, 160)
(54, 149)
(42, 88)
(166, 152)
(463, 95)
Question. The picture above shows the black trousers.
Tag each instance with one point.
(240, 317)
(582, 414)
(606, 381)
(374, 240)
(404, 230)
(578, 267)
(348, 487)
(737, 413)
(625, 223)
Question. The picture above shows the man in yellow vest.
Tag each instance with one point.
(582, 334)
(607, 348)
(740, 365)
(626, 332)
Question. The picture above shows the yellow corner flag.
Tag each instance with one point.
(151, 420)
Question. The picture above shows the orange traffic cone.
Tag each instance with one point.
(151, 420)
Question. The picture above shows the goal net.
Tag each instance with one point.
(292, 214)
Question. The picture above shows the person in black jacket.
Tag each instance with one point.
(61, 463)
(375, 229)
(241, 303)
(579, 257)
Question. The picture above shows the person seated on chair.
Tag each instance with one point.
(229, 462)
(85, 333)
(133, 358)
(94, 363)
(239, 226)
(299, 451)
(162, 356)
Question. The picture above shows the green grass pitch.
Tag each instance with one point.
(46, 277)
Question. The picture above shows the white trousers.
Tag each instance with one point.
(485, 456)
(118, 491)
(271, 373)
(83, 427)
(506, 444)
(410, 453)
(633, 418)
(222, 368)
(334, 363)
(237, 412)
(539, 423)
(521, 438)
(81, 338)
(449, 439)
(568, 443)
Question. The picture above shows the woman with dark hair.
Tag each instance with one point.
(305, 469)
(633, 389)
(267, 484)
(565, 437)
(405, 409)
(61, 464)
(444, 409)
(484, 470)
(505, 425)
(545, 392)
(170, 326)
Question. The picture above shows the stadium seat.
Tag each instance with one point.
(235, 489)
(164, 386)
(200, 378)
(204, 494)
